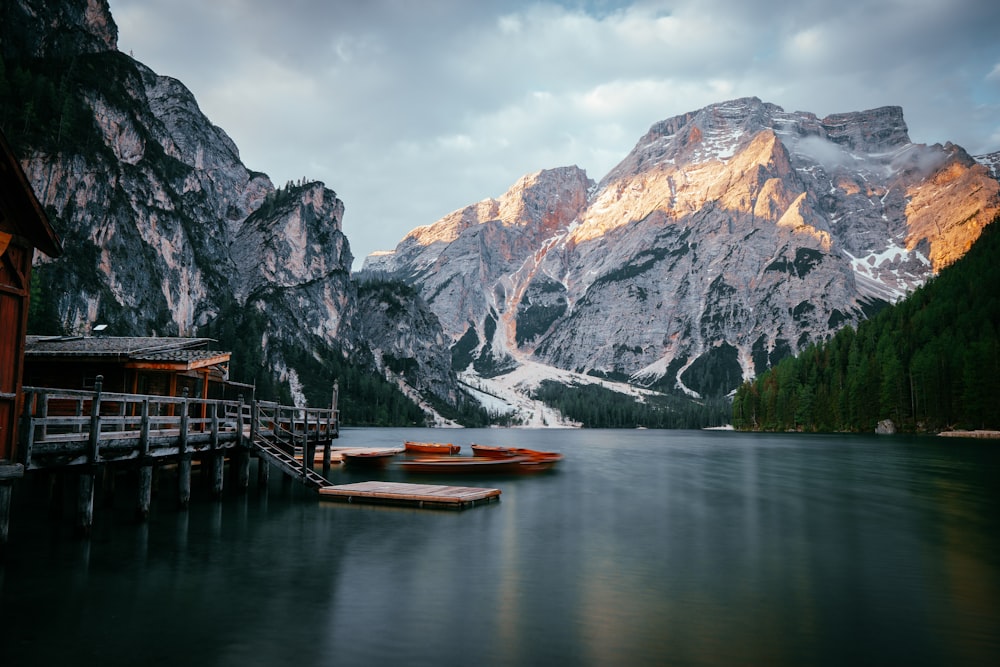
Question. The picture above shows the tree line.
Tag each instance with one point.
(930, 362)
(598, 407)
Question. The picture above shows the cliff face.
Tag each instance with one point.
(728, 238)
(166, 231)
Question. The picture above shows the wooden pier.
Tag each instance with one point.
(411, 495)
(88, 432)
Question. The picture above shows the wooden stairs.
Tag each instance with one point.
(276, 453)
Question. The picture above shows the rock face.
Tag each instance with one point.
(168, 233)
(728, 238)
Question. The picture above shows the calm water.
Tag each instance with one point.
(646, 548)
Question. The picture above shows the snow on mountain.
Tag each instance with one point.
(728, 238)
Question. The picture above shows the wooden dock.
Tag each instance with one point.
(429, 496)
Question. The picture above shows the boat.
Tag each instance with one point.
(431, 447)
(534, 455)
(368, 458)
(445, 465)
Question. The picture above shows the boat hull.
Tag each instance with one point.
(431, 447)
(542, 460)
(463, 465)
(368, 459)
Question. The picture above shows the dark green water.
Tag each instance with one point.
(646, 548)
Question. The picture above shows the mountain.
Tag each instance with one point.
(930, 362)
(729, 238)
(167, 232)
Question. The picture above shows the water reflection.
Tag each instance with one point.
(645, 548)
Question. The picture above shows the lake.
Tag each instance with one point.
(643, 548)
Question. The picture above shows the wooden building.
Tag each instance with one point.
(129, 365)
(24, 227)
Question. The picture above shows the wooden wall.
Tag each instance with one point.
(15, 274)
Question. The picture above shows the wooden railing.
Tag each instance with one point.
(62, 427)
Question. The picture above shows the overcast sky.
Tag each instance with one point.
(411, 109)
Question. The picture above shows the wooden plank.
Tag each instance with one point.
(417, 495)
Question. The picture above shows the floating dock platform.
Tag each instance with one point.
(429, 496)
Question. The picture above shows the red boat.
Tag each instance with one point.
(444, 465)
(534, 456)
(370, 458)
(431, 447)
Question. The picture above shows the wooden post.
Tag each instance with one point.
(307, 462)
(184, 464)
(242, 457)
(95, 422)
(85, 503)
(79, 413)
(263, 468)
(145, 493)
(8, 473)
(263, 472)
(218, 458)
(108, 486)
(6, 490)
(145, 466)
(27, 432)
(326, 443)
(43, 412)
(333, 410)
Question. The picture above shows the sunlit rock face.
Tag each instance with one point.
(729, 237)
(167, 232)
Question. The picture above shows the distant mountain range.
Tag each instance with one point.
(728, 238)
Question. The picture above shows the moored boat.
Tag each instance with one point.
(431, 447)
(370, 458)
(533, 455)
(463, 465)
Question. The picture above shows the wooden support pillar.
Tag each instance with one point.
(85, 482)
(307, 455)
(85, 503)
(184, 464)
(145, 492)
(145, 466)
(241, 460)
(218, 473)
(184, 482)
(326, 457)
(95, 422)
(263, 473)
(8, 473)
(108, 479)
(6, 491)
(218, 457)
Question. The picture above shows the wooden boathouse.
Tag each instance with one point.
(24, 228)
(91, 432)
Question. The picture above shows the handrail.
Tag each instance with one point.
(96, 417)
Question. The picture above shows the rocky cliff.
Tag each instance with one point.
(167, 232)
(728, 238)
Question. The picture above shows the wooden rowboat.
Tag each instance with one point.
(377, 458)
(463, 465)
(431, 447)
(494, 452)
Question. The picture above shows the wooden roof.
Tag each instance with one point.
(20, 212)
(131, 351)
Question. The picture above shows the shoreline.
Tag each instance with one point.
(981, 434)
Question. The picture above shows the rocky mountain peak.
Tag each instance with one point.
(729, 237)
(69, 28)
(873, 131)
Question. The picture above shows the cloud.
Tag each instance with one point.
(411, 110)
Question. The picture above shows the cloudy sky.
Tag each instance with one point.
(410, 109)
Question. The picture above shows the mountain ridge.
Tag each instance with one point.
(729, 237)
